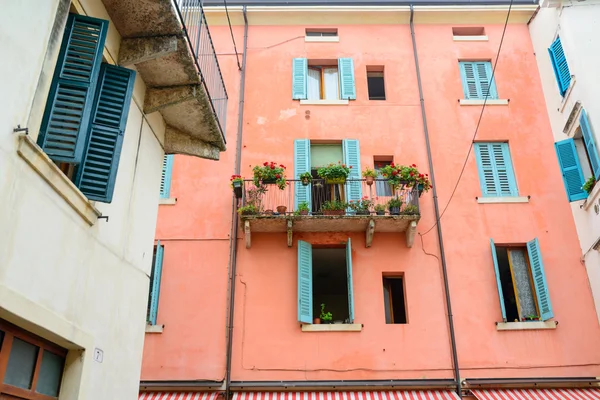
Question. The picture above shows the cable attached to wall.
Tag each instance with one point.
(237, 57)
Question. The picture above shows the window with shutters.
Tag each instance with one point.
(496, 174)
(165, 176)
(323, 83)
(323, 79)
(155, 278)
(560, 66)
(477, 80)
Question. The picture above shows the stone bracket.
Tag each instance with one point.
(289, 232)
(177, 142)
(137, 50)
(247, 234)
(370, 232)
(410, 234)
(159, 98)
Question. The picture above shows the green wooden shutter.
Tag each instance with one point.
(301, 164)
(539, 280)
(299, 78)
(165, 177)
(66, 117)
(97, 173)
(155, 278)
(498, 281)
(347, 84)
(496, 174)
(590, 143)
(305, 284)
(351, 149)
(560, 66)
(349, 278)
(469, 80)
(571, 169)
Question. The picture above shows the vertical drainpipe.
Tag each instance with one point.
(437, 211)
(234, 216)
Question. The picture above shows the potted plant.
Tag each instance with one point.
(334, 173)
(394, 205)
(303, 208)
(268, 212)
(316, 321)
(393, 174)
(530, 318)
(369, 175)
(362, 206)
(237, 183)
(380, 209)
(281, 209)
(306, 178)
(334, 207)
(410, 209)
(270, 173)
(249, 209)
(414, 178)
(588, 186)
(325, 317)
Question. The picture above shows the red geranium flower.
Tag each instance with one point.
(265, 163)
(395, 173)
(277, 176)
(272, 166)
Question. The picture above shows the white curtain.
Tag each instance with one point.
(314, 84)
(331, 83)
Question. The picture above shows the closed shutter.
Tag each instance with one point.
(155, 278)
(347, 84)
(302, 194)
(571, 169)
(590, 143)
(477, 80)
(560, 66)
(165, 177)
(539, 280)
(498, 281)
(65, 123)
(299, 72)
(305, 284)
(349, 278)
(351, 149)
(469, 80)
(496, 174)
(97, 173)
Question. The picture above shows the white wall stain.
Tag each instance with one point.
(261, 120)
(287, 114)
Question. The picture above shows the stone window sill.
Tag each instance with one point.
(528, 325)
(331, 327)
(170, 201)
(480, 102)
(479, 38)
(592, 196)
(154, 328)
(324, 102)
(43, 165)
(567, 94)
(322, 39)
(496, 200)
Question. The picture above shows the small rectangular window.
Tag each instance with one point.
(321, 32)
(468, 31)
(393, 300)
(382, 188)
(375, 83)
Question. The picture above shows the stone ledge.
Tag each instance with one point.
(322, 39)
(154, 328)
(500, 199)
(480, 102)
(479, 38)
(529, 325)
(171, 201)
(331, 327)
(324, 102)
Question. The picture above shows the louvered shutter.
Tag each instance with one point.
(571, 169)
(351, 149)
(299, 78)
(469, 80)
(590, 143)
(97, 173)
(302, 194)
(484, 77)
(539, 280)
(305, 284)
(495, 169)
(155, 278)
(349, 279)
(560, 66)
(498, 281)
(165, 177)
(347, 84)
(65, 123)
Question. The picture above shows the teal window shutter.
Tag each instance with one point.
(155, 277)
(97, 173)
(351, 149)
(590, 143)
(66, 117)
(477, 80)
(299, 78)
(560, 66)
(539, 280)
(165, 177)
(498, 282)
(305, 284)
(496, 174)
(349, 277)
(347, 84)
(571, 169)
(302, 194)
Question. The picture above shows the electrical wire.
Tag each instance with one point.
(233, 38)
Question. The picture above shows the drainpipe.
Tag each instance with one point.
(234, 216)
(437, 210)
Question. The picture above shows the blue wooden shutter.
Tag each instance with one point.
(539, 280)
(571, 169)
(498, 281)
(301, 164)
(155, 277)
(590, 143)
(484, 71)
(347, 85)
(165, 177)
(351, 149)
(469, 80)
(477, 80)
(299, 79)
(65, 123)
(496, 174)
(560, 66)
(305, 284)
(349, 278)
(97, 173)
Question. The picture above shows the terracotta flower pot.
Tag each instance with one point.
(268, 212)
(304, 212)
(317, 321)
(281, 209)
(370, 180)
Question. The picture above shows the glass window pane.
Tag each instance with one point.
(50, 374)
(21, 364)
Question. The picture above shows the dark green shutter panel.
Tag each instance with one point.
(66, 118)
(98, 171)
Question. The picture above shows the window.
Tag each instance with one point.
(86, 112)
(323, 82)
(165, 177)
(34, 367)
(382, 188)
(375, 83)
(155, 277)
(521, 282)
(393, 300)
(477, 80)
(560, 66)
(321, 32)
(325, 277)
(495, 170)
(468, 31)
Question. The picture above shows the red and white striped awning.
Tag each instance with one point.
(538, 394)
(178, 396)
(383, 395)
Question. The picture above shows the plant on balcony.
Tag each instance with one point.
(306, 178)
(393, 174)
(334, 173)
(254, 198)
(249, 209)
(237, 183)
(410, 209)
(281, 209)
(589, 184)
(362, 206)
(380, 209)
(414, 178)
(303, 208)
(369, 175)
(325, 317)
(394, 205)
(269, 173)
(334, 207)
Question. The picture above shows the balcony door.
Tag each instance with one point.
(322, 155)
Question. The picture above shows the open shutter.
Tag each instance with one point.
(539, 280)
(571, 169)
(301, 164)
(65, 123)
(469, 80)
(496, 174)
(498, 281)
(347, 85)
(484, 74)
(305, 298)
(560, 66)
(351, 149)
(155, 277)
(299, 72)
(590, 143)
(165, 178)
(349, 278)
(97, 173)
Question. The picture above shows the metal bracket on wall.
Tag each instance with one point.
(103, 217)
(18, 129)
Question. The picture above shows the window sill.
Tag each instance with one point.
(331, 327)
(592, 196)
(154, 328)
(324, 102)
(168, 201)
(480, 38)
(322, 39)
(480, 102)
(567, 94)
(43, 165)
(522, 326)
(511, 199)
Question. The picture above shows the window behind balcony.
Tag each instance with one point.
(321, 155)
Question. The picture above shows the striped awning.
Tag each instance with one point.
(383, 395)
(538, 394)
(178, 395)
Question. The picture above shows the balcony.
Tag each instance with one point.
(267, 199)
(169, 43)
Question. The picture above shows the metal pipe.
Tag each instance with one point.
(437, 210)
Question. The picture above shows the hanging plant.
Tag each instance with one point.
(270, 173)
(306, 178)
(334, 173)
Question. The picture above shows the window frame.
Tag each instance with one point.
(492, 93)
(387, 285)
(384, 86)
(514, 282)
(508, 170)
(321, 69)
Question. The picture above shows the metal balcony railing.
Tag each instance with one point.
(201, 44)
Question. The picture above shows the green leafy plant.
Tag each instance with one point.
(379, 207)
(270, 171)
(394, 202)
(306, 177)
(589, 184)
(303, 206)
(410, 209)
(334, 205)
(361, 206)
(531, 317)
(325, 316)
(249, 209)
(409, 175)
(369, 173)
(234, 179)
(334, 171)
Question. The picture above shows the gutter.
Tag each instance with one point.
(179, 385)
(358, 385)
(517, 383)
